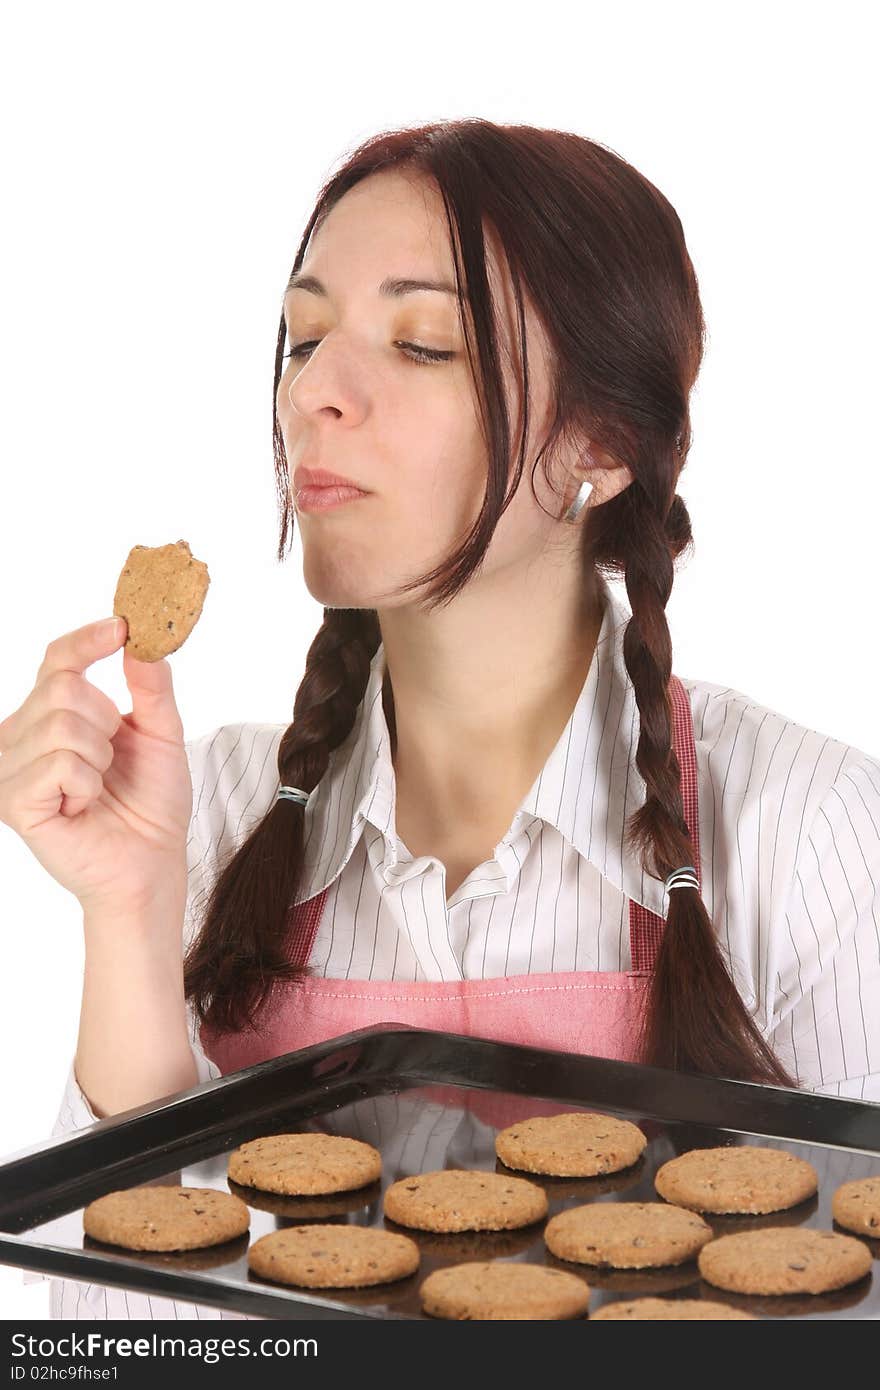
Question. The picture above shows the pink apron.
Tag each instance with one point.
(592, 1012)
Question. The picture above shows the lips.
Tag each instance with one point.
(320, 477)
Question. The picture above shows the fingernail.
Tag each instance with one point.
(111, 630)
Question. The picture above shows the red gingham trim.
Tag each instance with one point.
(645, 928)
(304, 921)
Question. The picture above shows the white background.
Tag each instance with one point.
(160, 163)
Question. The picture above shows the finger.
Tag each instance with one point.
(61, 730)
(76, 650)
(59, 781)
(154, 708)
(67, 690)
(67, 656)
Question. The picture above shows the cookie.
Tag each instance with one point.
(665, 1309)
(304, 1164)
(786, 1259)
(627, 1235)
(160, 593)
(458, 1199)
(333, 1257)
(500, 1289)
(742, 1178)
(166, 1217)
(578, 1144)
(856, 1205)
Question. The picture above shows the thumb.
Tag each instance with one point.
(154, 708)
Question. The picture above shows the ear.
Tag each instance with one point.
(608, 476)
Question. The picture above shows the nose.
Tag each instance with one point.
(327, 385)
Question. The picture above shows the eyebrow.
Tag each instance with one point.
(392, 288)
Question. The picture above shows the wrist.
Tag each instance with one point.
(150, 924)
(166, 887)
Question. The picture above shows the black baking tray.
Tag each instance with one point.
(426, 1100)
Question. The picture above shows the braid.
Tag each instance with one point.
(696, 1020)
(243, 946)
(658, 832)
(329, 694)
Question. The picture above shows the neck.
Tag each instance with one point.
(476, 695)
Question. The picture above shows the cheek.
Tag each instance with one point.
(434, 497)
(440, 452)
(526, 529)
(456, 485)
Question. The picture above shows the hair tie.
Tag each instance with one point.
(685, 877)
(292, 794)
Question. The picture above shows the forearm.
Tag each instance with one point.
(133, 1045)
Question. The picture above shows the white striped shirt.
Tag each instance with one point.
(789, 823)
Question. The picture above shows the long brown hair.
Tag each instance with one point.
(602, 254)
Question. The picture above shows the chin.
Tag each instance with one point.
(331, 588)
(335, 596)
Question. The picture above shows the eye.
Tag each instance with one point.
(413, 350)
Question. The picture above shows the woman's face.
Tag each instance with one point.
(354, 400)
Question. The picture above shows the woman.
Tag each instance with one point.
(496, 810)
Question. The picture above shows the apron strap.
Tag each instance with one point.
(645, 928)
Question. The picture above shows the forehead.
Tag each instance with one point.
(384, 237)
(388, 231)
(395, 213)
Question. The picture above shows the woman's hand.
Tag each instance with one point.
(102, 800)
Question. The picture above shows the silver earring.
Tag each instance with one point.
(576, 507)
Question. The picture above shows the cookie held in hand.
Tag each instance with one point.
(160, 593)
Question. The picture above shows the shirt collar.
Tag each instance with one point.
(588, 788)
